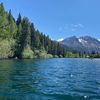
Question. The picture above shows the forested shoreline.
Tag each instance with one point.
(20, 39)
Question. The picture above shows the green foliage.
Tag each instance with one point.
(72, 55)
(25, 39)
(6, 48)
(12, 26)
(8, 26)
(19, 19)
(96, 55)
(27, 53)
(42, 53)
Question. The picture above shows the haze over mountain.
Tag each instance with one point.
(82, 44)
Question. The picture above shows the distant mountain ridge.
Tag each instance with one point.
(82, 44)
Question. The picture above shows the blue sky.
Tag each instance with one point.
(60, 18)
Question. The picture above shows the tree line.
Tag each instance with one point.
(25, 35)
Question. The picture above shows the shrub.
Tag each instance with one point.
(27, 53)
(6, 48)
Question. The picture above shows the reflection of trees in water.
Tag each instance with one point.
(23, 80)
(5, 71)
(16, 78)
(6, 68)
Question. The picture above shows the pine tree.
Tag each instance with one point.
(19, 19)
(25, 38)
(2, 9)
(4, 26)
(12, 25)
(32, 31)
(18, 47)
(37, 40)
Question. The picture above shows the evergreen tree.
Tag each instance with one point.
(12, 25)
(18, 48)
(37, 39)
(32, 31)
(4, 27)
(19, 19)
(2, 9)
(25, 38)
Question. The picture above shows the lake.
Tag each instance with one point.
(50, 79)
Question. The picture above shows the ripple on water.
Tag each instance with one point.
(50, 79)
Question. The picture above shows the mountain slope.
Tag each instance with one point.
(82, 44)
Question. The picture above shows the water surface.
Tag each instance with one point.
(50, 79)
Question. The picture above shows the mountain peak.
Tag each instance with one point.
(82, 44)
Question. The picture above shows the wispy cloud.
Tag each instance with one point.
(76, 27)
(71, 27)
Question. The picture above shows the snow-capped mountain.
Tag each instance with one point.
(82, 44)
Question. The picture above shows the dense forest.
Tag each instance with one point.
(20, 39)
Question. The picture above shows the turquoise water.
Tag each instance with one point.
(50, 79)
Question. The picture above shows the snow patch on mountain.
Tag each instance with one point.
(98, 39)
(82, 41)
(59, 40)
